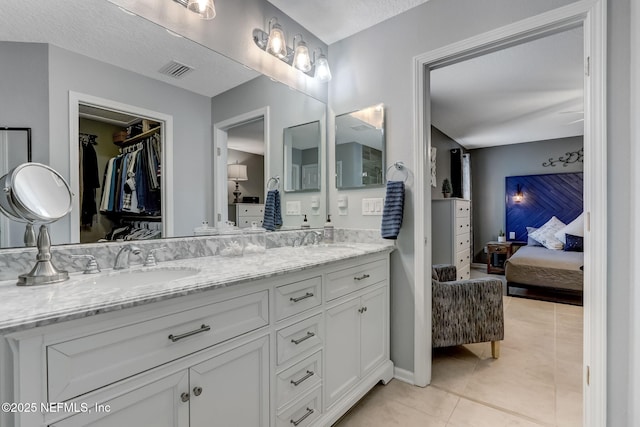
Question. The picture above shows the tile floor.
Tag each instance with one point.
(537, 381)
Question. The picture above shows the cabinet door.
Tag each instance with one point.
(157, 404)
(232, 389)
(342, 348)
(373, 335)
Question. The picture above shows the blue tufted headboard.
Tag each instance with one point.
(544, 196)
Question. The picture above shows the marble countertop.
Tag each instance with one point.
(87, 295)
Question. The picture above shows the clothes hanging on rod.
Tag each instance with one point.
(131, 181)
(90, 178)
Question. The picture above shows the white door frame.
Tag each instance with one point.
(75, 99)
(219, 211)
(592, 15)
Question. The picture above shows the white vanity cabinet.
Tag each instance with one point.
(298, 348)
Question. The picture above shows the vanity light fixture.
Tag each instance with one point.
(299, 57)
(518, 197)
(322, 71)
(276, 43)
(205, 9)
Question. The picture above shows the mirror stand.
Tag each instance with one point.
(44, 272)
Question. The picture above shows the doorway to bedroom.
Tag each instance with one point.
(589, 15)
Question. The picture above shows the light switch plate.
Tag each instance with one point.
(293, 207)
(372, 206)
(512, 235)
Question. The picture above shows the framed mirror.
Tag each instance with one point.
(43, 66)
(302, 145)
(360, 148)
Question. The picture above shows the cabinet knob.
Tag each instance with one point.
(197, 391)
(184, 397)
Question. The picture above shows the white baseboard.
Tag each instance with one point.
(478, 265)
(403, 375)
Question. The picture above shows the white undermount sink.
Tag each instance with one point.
(140, 277)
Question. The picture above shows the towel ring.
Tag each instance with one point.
(273, 183)
(399, 167)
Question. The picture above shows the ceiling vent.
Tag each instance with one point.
(175, 69)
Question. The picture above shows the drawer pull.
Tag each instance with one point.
(304, 338)
(184, 397)
(362, 310)
(302, 418)
(197, 391)
(305, 296)
(364, 276)
(203, 328)
(306, 377)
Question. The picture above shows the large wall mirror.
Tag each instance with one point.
(360, 148)
(302, 150)
(107, 53)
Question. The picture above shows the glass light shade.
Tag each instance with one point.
(301, 59)
(323, 72)
(276, 45)
(236, 172)
(204, 8)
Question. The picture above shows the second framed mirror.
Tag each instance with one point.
(360, 147)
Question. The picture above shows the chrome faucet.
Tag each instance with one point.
(122, 259)
(313, 237)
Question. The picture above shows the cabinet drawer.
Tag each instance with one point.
(463, 259)
(462, 225)
(304, 413)
(299, 337)
(463, 241)
(250, 210)
(297, 297)
(345, 281)
(462, 208)
(299, 378)
(497, 249)
(83, 364)
(464, 273)
(245, 221)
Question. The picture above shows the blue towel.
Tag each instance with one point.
(393, 209)
(272, 213)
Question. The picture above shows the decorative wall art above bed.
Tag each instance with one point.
(540, 198)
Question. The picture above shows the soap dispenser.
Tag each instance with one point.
(305, 224)
(328, 230)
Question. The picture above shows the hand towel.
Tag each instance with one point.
(393, 209)
(272, 213)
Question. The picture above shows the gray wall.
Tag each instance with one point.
(490, 166)
(443, 159)
(286, 108)
(191, 127)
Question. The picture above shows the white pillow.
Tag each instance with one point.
(575, 227)
(546, 234)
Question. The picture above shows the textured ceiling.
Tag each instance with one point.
(101, 30)
(334, 20)
(528, 92)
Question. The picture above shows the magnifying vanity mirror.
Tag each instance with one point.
(302, 157)
(360, 148)
(33, 192)
(45, 70)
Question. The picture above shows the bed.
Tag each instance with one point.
(535, 270)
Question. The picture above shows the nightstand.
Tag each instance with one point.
(498, 253)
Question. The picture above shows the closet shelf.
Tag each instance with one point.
(138, 138)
